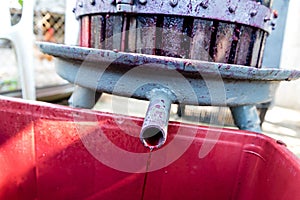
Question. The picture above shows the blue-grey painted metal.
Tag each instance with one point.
(192, 82)
(211, 83)
(246, 118)
(83, 97)
(237, 92)
(121, 60)
(155, 127)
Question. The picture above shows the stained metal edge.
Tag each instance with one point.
(221, 92)
(226, 71)
(248, 13)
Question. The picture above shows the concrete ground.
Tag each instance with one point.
(284, 124)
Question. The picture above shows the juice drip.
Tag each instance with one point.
(146, 173)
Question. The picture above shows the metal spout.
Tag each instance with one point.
(155, 127)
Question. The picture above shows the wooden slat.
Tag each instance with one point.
(201, 37)
(132, 35)
(234, 44)
(146, 34)
(261, 51)
(258, 36)
(243, 46)
(113, 32)
(262, 36)
(85, 32)
(223, 42)
(172, 37)
(97, 31)
(185, 50)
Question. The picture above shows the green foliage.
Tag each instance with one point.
(21, 2)
(8, 85)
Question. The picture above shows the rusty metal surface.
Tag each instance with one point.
(155, 127)
(227, 71)
(245, 12)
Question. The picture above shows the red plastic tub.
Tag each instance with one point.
(55, 152)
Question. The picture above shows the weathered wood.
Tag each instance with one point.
(234, 45)
(176, 36)
(85, 31)
(146, 34)
(201, 38)
(172, 37)
(187, 32)
(262, 49)
(132, 35)
(267, 3)
(257, 37)
(243, 46)
(113, 32)
(223, 42)
(97, 31)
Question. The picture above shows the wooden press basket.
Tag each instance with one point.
(232, 31)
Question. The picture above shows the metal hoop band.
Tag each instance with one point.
(244, 12)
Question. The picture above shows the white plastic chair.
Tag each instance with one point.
(21, 36)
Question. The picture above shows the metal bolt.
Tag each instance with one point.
(232, 9)
(275, 14)
(173, 3)
(80, 4)
(273, 24)
(267, 19)
(253, 13)
(93, 2)
(204, 4)
(74, 10)
(143, 1)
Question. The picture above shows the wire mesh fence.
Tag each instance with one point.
(48, 26)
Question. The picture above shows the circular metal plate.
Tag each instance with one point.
(134, 75)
